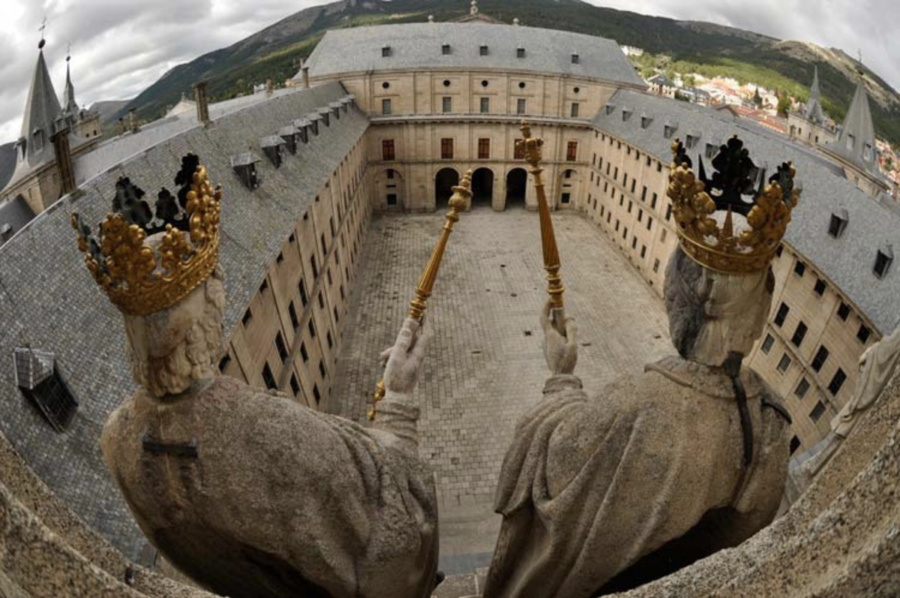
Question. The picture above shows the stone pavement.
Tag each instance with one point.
(485, 366)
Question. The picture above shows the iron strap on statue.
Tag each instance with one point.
(531, 147)
(461, 195)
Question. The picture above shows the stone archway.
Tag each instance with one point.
(444, 181)
(516, 187)
(482, 187)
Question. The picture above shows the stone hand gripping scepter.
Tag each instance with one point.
(532, 151)
(458, 202)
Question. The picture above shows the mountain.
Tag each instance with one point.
(108, 110)
(275, 51)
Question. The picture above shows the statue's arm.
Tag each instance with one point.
(561, 353)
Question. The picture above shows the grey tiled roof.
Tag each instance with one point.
(418, 46)
(15, 214)
(50, 302)
(847, 261)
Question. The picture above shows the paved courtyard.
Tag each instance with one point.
(485, 366)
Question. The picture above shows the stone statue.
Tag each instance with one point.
(876, 366)
(246, 491)
(652, 472)
(668, 466)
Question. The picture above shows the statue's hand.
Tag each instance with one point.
(560, 350)
(404, 359)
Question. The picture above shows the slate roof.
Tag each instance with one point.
(50, 302)
(856, 143)
(847, 261)
(14, 214)
(419, 46)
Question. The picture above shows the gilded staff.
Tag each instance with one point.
(532, 149)
(458, 202)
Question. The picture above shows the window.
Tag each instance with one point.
(837, 381)
(484, 148)
(264, 286)
(802, 388)
(519, 149)
(784, 364)
(387, 150)
(303, 353)
(485, 105)
(799, 268)
(820, 287)
(656, 265)
(767, 344)
(483, 50)
(653, 202)
(843, 311)
(572, 151)
(668, 212)
(279, 344)
(312, 328)
(644, 193)
(48, 391)
(322, 368)
(329, 339)
(819, 359)
(295, 386)
(520, 106)
(303, 297)
(386, 106)
(779, 251)
(223, 363)
(574, 111)
(863, 333)
(817, 412)
(445, 49)
(280, 257)
(392, 199)
(292, 312)
(799, 334)
(883, 260)
(520, 52)
(649, 222)
(576, 59)
(782, 313)
(566, 198)
(268, 378)
(795, 444)
(337, 318)
(385, 51)
(447, 148)
(838, 223)
(447, 104)
(248, 315)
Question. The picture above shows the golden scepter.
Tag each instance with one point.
(458, 202)
(531, 147)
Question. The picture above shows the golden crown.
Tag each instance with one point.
(138, 279)
(767, 214)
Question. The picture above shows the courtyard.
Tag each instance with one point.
(485, 366)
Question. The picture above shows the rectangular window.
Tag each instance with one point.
(799, 334)
(447, 148)
(520, 106)
(386, 106)
(483, 50)
(445, 49)
(484, 148)
(820, 287)
(843, 311)
(303, 297)
(767, 344)
(295, 386)
(282, 350)
(799, 268)
(837, 381)
(485, 105)
(656, 265)
(312, 328)
(329, 339)
(268, 378)
(784, 364)
(447, 104)
(391, 199)
(653, 201)
(316, 394)
(574, 111)
(819, 359)
(295, 321)
(520, 52)
(566, 198)
(863, 333)
(385, 51)
(802, 388)
(322, 368)
(668, 212)
(248, 315)
(644, 193)
(782, 313)
(572, 151)
(223, 363)
(649, 222)
(817, 412)
(303, 353)
(387, 150)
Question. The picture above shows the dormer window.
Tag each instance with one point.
(669, 130)
(37, 138)
(272, 148)
(483, 51)
(645, 121)
(850, 141)
(692, 139)
(576, 59)
(244, 165)
(883, 260)
(385, 51)
(838, 223)
(324, 112)
(626, 113)
(289, 136)
(520, 52)
(610, 108)
(40, 381)
(445, 49)
(867, 152)
(21, 145)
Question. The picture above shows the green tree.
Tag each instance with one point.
(784, 104)
(689, 80)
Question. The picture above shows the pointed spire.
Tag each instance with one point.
(42, 107)
(814, 110)
(70, 107)
(856, 143)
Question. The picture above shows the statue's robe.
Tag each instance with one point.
(254, 495)
(589, 486)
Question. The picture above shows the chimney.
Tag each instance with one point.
(202, 102)
(132, 122)
(270, 87)
(304, 70)
(64, 161)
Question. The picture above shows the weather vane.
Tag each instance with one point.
(43, 27)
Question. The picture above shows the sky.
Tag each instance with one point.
(120, 47)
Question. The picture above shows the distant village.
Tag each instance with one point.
(757, 103)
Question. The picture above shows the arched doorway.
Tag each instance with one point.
(482, 187)
(444, 181)
(516, 184)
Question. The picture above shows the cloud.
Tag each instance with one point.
(119, 47)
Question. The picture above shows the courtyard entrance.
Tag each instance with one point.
(516, 183)
(444, 181)
(482, 187)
